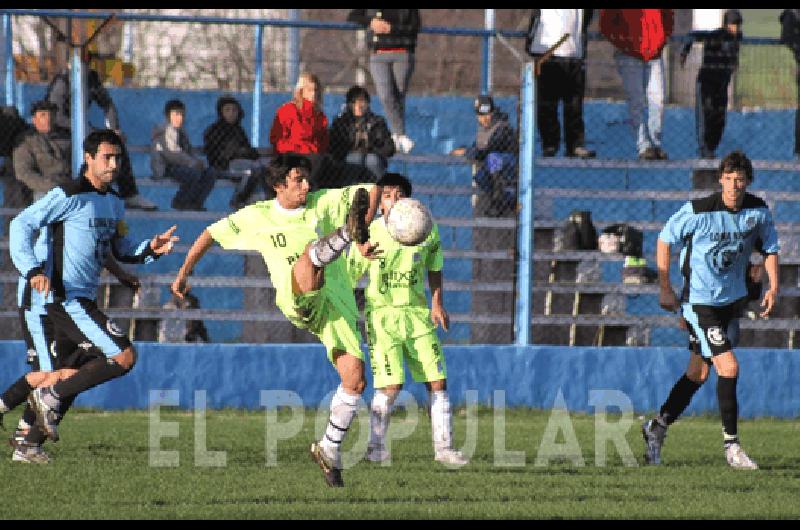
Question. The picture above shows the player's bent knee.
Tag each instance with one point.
(126, 359)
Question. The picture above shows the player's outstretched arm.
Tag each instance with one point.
(770, 297)
(163, 243)
(201, 245)
(439, 315)
(666, 296)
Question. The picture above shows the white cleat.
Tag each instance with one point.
(737, 458)
(451, 457)
(30, 454)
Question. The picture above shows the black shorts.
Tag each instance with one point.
(81, 329)
(713, 329)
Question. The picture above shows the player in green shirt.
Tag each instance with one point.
(311, 284)
(400, 325)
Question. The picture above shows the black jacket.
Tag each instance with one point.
(790, 30)
(720, 52)
(499, 137)
(405, 26)
(223, 141)
(348, 134)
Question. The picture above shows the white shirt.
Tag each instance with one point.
(552, 25)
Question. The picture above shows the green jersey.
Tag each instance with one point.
(396, 277)
(281, 236)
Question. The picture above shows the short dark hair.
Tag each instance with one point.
(736, 161)
(282, 164)
(396, 179)
(356, 92)
(100, 136)
(174, 104)
(43, 104)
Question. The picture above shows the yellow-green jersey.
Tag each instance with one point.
(281, 236)
(396, 277)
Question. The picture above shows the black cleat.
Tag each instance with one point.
(333, 476)
(357, 227)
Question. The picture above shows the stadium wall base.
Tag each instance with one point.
(234, 375)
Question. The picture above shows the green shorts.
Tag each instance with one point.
(331, 318)
(395, 334)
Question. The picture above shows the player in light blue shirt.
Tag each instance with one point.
(719, 232)
(82, 223)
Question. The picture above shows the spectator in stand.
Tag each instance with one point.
(300, 126)
(392, 37)
(361, 137)
(560, 77)
(720, 59)
(40, 162)
(639, 36)
(790, 36)
(228, 151)
(494, 155)
(59, 94)
(171, 156)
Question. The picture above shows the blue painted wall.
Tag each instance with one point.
(234, 375)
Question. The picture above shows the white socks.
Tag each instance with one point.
(441, 421)
(343, 410)
(380, 412)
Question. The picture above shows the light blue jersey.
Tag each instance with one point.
(717, 246)
(78, 226)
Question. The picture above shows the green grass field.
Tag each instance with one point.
(101, 469)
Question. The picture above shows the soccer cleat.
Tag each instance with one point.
(46, 417)
(654, 435)
(333, 476)
(30, 454)
(357, 227)
(18, 438)
(737, 458)
(451, 457)
(377, 454)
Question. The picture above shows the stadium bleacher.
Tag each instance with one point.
(234, 291)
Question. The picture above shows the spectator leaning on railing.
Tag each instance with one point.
(720, 59)
(361, 137)
(171, 156)
(790, 36)
(562, 76)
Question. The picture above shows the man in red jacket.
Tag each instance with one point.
(639, 36)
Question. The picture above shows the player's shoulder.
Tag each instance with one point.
(753, 202)
(707, 204)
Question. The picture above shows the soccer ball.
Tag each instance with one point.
(409, 222)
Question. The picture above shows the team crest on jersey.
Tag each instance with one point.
(122, 228)
(113, 328)
(715, 336)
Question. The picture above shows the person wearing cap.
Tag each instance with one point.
(40, 161)
(562, 76)
(790, 36)
(494, 153)
(720, 58)
(361, 137)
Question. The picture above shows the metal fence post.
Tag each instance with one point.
(78, 112)
(9, 59)
(488, 55)
(293, 51)
(525, 232)
(259, 67)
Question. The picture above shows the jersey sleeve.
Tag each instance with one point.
(435, 258)
(681, 224)
(126, 251)
(230, 232)
(52, 208)
(768, 235)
